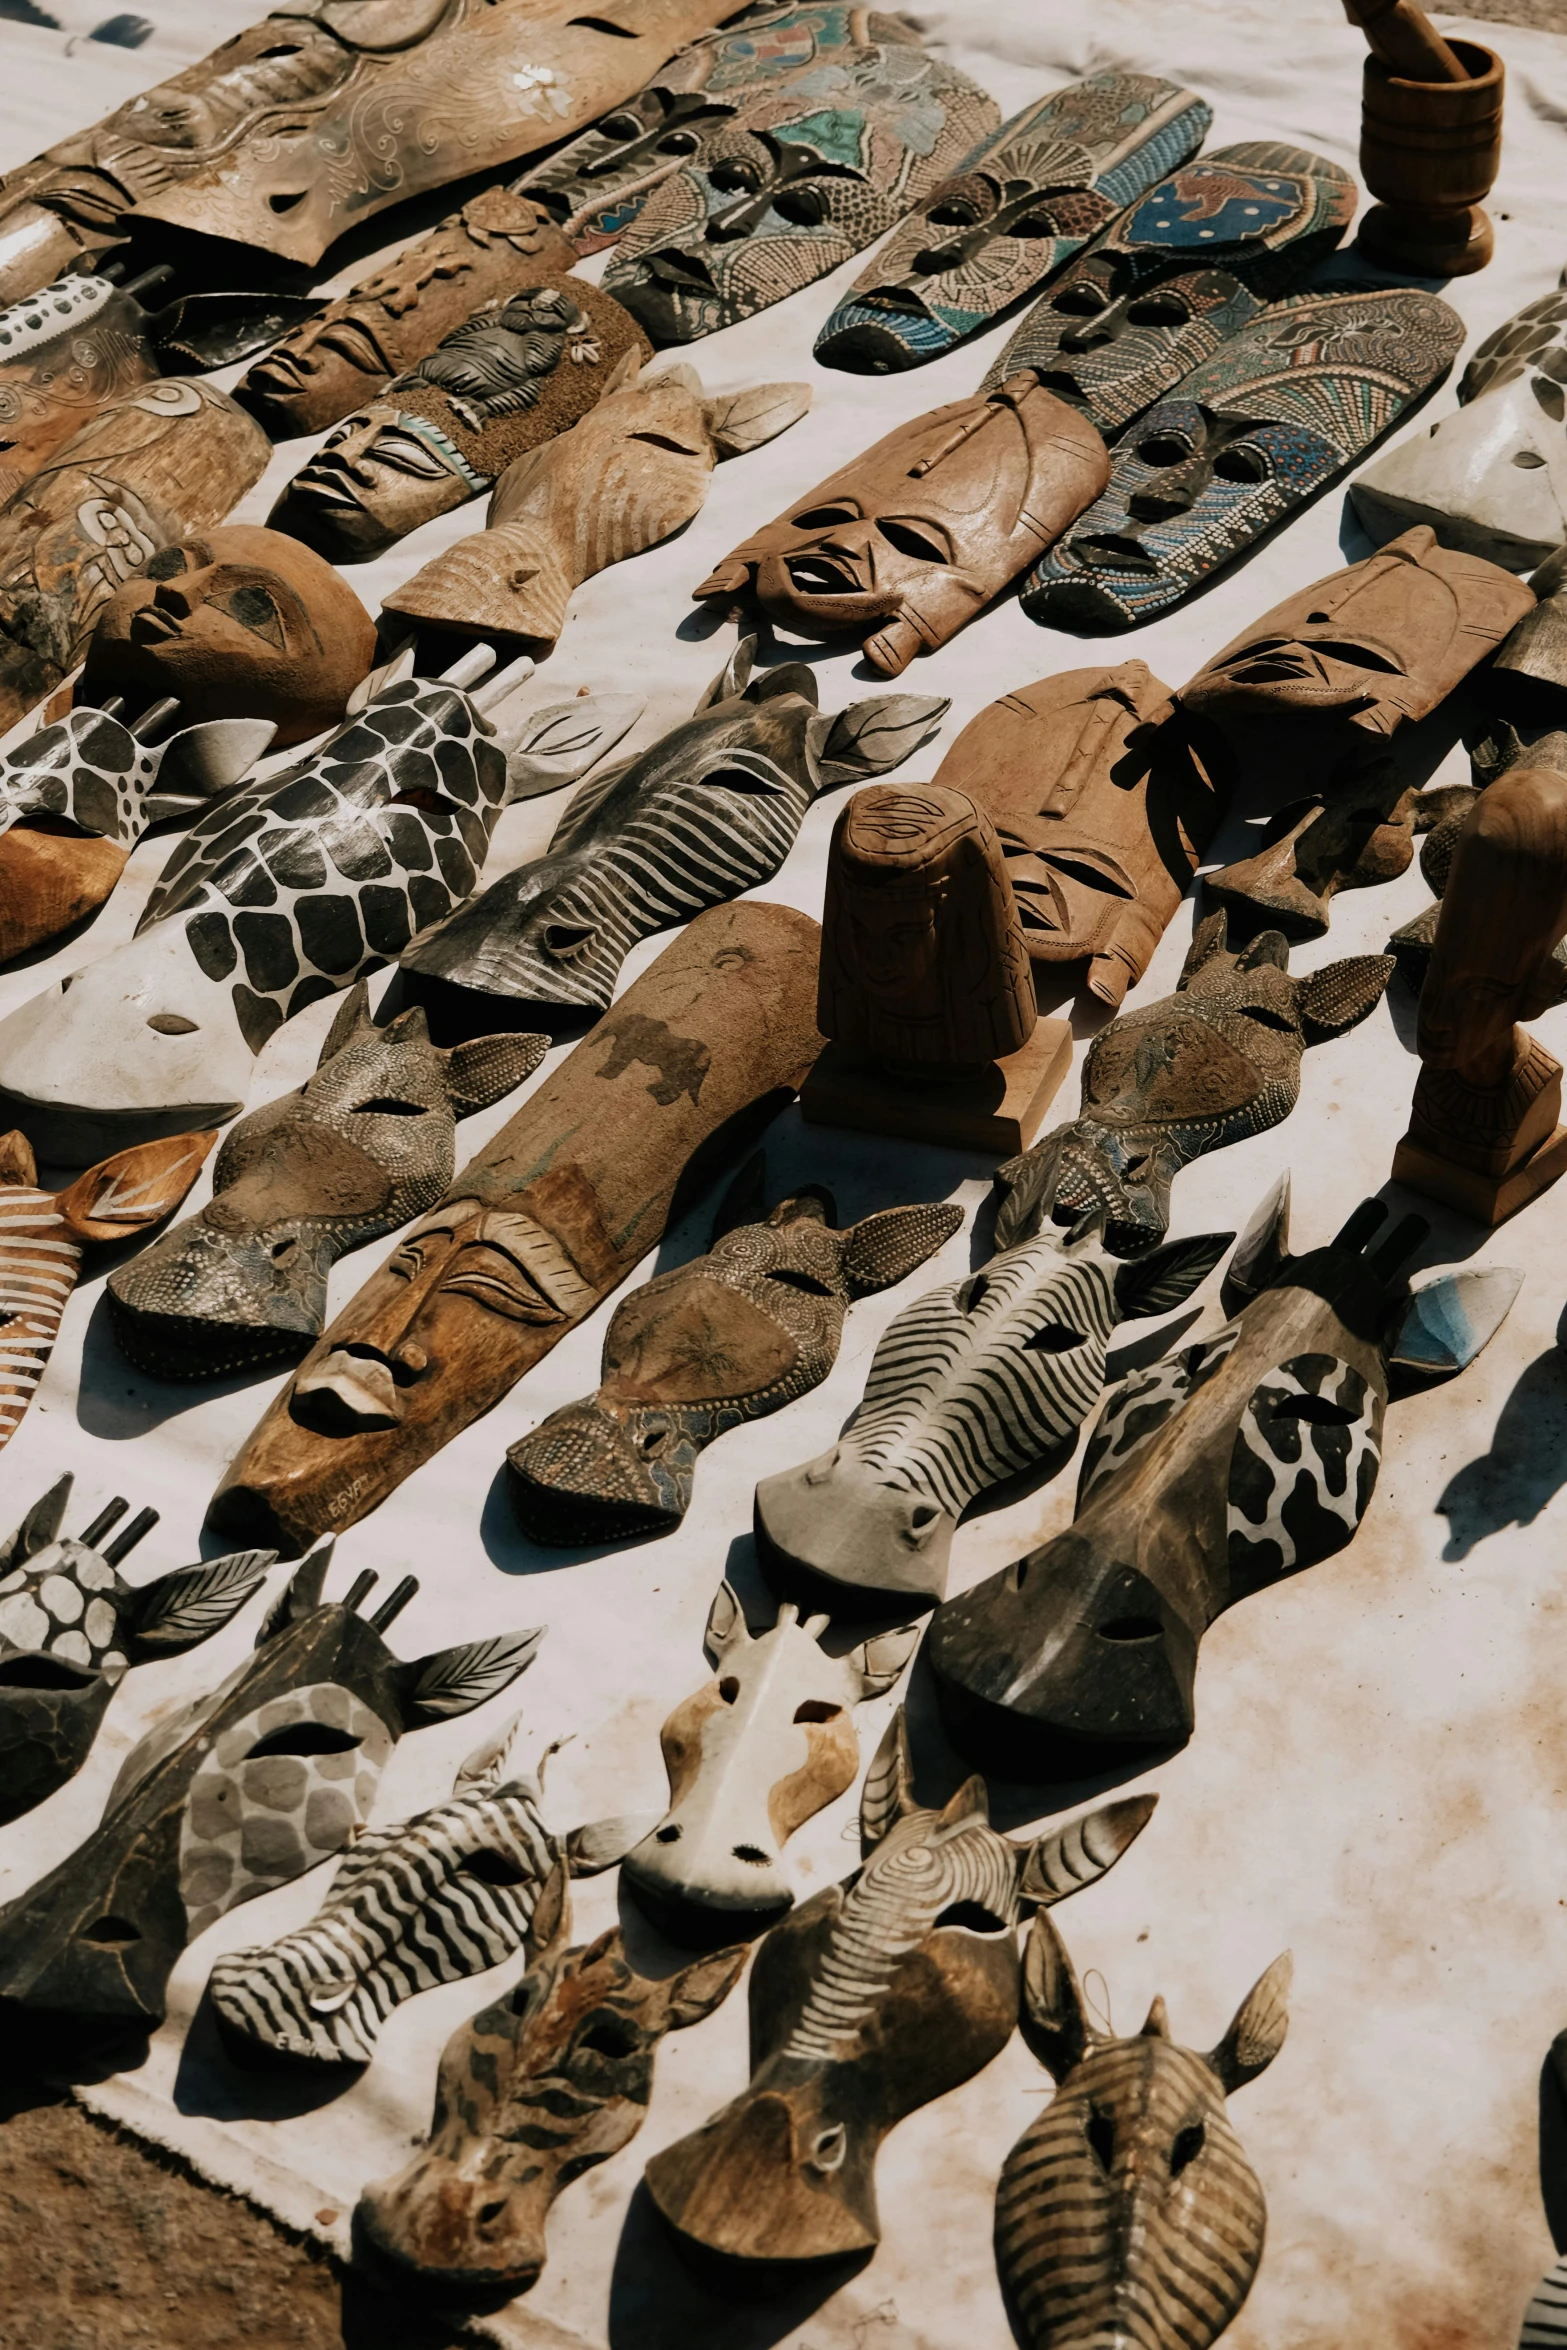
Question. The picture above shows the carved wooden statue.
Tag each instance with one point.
(367, 1144)
(973, 1383)
(71, 1628)
(1279, 412)
(630, 472)
(927, 992)
(1430, 142)
(239, 623)
(547, 2083)
(164, 460)
(870, 2000)
(711, 808)
(1128, 2209)
(281, 895)
(539, 1228)
(1361, 835)
(510, 376)
(715, 1343)
(43, 1235)
(1103, 806)
(1182, 269)
(1019, 204)
(318, 117)
(241, 1791)
(915, 537)
(1245, 1457)
(808, 179)
(1484, 1133)
(1166, 1082)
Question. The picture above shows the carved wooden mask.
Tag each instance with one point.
(725, 1339)
(1165, 1082)
(867, 2002)
(71, 1628)
(1087, 1647)
(1243, 441)
(926, 528)
(1184, 267)
(539, 1228)
(809, 178)
(1019, 204)
(240, 1791)
(1128, 2209)
(973, 1383)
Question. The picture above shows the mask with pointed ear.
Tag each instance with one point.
(1262, 1251)
(872, 736)
(552, 747)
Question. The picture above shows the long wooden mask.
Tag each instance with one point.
(161, 461)
(631, 471)
(44, 1233)
(547, 2083)
(281, 895)
(239, 1792)
(1184, 267)
(1128, 2210)
(1245, 1457)
(368, 1143)
(1019, 204)
(809, 179)
(538, 1229)
(973, 1383)
(919, 534)
(71, 1628)
(867, 2002)
(1212, 1064)
(1249, 437)
(510, 376)
(710, 809)
(723, 1340)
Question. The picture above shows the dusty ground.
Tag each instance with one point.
(1546, 16)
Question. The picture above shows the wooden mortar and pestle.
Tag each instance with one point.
(1430, 142)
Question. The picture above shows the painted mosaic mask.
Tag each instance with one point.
(809, 179)
(71, 1628)
(926, 528)
(238, 1792)
(720, 1341)
(1019, 204)
(1240, 1459)
(1245, 440)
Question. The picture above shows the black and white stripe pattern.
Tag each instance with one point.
(1545, 2319)
(39, 1262)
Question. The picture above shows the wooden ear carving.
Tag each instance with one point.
(1054, 2020)
(137, 1187)
(879, 1661)
(17, 1163)
(738, 421)
(886, 1248)
(184, 1608)
(554, 746)
(299, 1595)
(549, 1928)
(599, 1844)
(1262, 1250)
(352, 1023)
(1449, 1320)
(480, 1071)
(1085, 1849)
(1208, 939)
(872, 736)
(1165, 1278)
(704, 1985)
(1339, 997)
(453, 1681)
(489, 1766)
(733, 678)
(726, 1626)
(207, 760)
(1257, 2032)
(889, 1786)
(40, 1526)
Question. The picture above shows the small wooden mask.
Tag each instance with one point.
(538, 1229)
(1184, 267)
(546, 2084)
(71, 1628)
(510, 376)
(1019, 204)
(1128, 2210)
(631, 471)
(239, 1792)
(1244, 440)
(808, 179)
(725, 1339)
(1087, 1647)
(161, 461)
(867, 2002)
(710, 809)
(1215, 1062)
(368, 1143)
(973, 1383)
(238, 623)
(919, 534)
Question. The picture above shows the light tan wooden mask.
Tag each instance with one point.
(633, 470)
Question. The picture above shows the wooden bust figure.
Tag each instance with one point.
(926, 989)
(1483, 1128)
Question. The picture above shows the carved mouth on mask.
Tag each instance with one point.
(353, 1391)
(682, 272)
(1109, 554)
(821, 575)
(153, 626)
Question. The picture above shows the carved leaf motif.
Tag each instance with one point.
(187, 1606)
(889, 1785)
(1257, 2033)
(454, 1680)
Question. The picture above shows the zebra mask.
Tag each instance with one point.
(1128, 2211)
(234, 1794)
(71, 1628)
(869, 2001)
(1245, 1457)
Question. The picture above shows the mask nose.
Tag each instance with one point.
(1160, 500)
(466, 2231)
